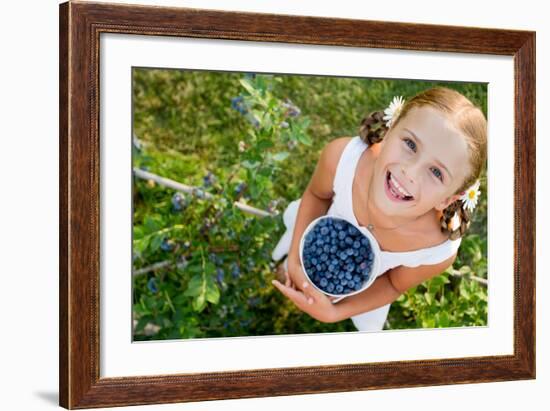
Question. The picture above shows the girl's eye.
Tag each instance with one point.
(413, 146)
(439, 174)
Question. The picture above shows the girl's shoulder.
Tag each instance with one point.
(332, 152)
(323, 176)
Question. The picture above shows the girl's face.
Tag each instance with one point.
(429, 159)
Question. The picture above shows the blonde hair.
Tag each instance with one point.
(467, 118)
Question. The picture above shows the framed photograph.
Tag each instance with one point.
(187, 137)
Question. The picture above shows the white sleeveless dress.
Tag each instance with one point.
(342, 206)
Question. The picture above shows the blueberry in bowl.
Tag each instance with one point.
(337, 257)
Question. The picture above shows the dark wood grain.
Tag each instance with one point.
(63, 206)
(525, 204)
(80, 25)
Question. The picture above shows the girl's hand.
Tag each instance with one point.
(310, 300)
(295, 275)
(315, 303)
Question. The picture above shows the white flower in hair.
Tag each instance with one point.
(470, 196)
(392, 112)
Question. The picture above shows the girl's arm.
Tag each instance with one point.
(315, 202)
(388, 287)
(384, 290)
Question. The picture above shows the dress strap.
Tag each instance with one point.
(343, 178)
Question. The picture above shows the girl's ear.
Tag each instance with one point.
(445, 203)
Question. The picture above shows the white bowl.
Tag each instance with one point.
(375, 250)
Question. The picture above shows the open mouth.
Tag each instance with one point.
(394, 191)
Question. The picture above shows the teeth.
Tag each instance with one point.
(398, 187)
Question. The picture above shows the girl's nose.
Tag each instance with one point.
(405, 175)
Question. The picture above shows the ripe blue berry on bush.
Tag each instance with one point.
(166, 245)
(152, 285)
(209, 179)
(240, 187)
(337, 258)
(179, 202)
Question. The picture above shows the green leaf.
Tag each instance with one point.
(151, 223)
(429, 298)
(254, 189)
(179, 299)
(463, 291)
(150, 302)
(252, 133)
(212, 292)
(209, 267)
(250, 165)
(265, 144)
(183, 270)
(428, 323)
(265, 171)
(156, 242)
(272, 104)
(199, 303)
(256, 115)
(143, 304)
(195, 269)
(443, 319)
(281, 156)
(267, 122)
(248, 87)
(138, 232)
(436, 283)
(305, 123)
(304, 139)
(141, 245)
(261, 83)
(195, 286)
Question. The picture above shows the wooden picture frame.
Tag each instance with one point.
(80, 27)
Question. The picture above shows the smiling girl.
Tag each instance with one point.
(411, 178)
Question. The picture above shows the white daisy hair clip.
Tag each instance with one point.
(393, 110)
(470, 196)
(469, 200)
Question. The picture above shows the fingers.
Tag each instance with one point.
(307, 292)
(288, 281)
(296, 296)
(314, 293)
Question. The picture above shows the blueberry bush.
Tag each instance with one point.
(202, 266)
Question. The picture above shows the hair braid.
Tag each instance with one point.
(373, 128)
(448, 213)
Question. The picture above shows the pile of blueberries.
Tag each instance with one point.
(337, 257)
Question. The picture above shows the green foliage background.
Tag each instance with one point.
(187, 126)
